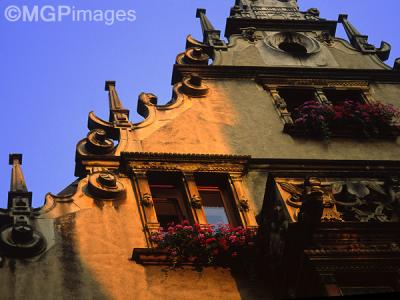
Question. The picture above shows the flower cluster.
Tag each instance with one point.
(371, 119)
(202, 245)
(315, 118)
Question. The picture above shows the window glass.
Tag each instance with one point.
(296, 97)
(214, 207)
(168, 211)
(340, 96)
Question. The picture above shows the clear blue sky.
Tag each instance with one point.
(53, 74)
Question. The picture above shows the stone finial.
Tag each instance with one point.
(17, 177)
(118, 114)
(360, 41)
(211, 36)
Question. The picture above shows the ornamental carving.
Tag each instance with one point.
(293, 43)
(147, 200)
(105, 185)
(315, 83)
(341, 200)
(193, 56)
(98, 143)
(244, 204)
(194, 86)
(195, 202)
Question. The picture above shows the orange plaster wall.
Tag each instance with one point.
(197, 130)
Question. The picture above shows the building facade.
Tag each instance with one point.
(275, 130)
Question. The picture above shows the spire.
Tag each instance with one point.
(17, 177)
(18, 186)
(360, 41)
(118, 114)
(211, 36)
(19, 238)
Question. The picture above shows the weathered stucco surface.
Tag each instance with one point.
(239, 117)
(336, 54)
(90, 259)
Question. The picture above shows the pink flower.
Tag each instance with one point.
(210, 240)
(233, 238)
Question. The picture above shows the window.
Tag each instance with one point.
(296, 97)
(202, 189)
(330, 112)
(167, 209)
(339, 96)
(214, 207)
(217, 199)
(168, 199)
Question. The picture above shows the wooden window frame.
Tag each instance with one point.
(238, 211)
(228, 207)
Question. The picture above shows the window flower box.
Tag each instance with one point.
(200, 246)
(348, 119)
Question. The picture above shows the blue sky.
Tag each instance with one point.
(53, 73)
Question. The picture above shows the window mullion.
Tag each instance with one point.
(192, 193)
(242, 201)
(321, 97)
(281, 105)
(146, 201)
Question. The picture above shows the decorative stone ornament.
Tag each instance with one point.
(396, 66)
(293, 43)
(21, 240)
(244, 204)
(193, 86)
(147, 200)
(105, 185)
(195, 202)
(193, 56)
(97, 142)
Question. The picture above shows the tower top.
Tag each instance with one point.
(274, 15)
(267, 9)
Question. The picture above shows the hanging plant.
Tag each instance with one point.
(321, 120)
(315, 118)
(203, 245)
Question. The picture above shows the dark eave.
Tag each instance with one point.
(254, 72)
(182, 157)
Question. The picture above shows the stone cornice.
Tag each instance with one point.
(265, 73)
(234, 25)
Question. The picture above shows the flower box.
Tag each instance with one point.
(350, 131)
(349, 119)
(196, 245)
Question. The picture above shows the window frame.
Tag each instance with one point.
(232, 167)
(319, 86)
